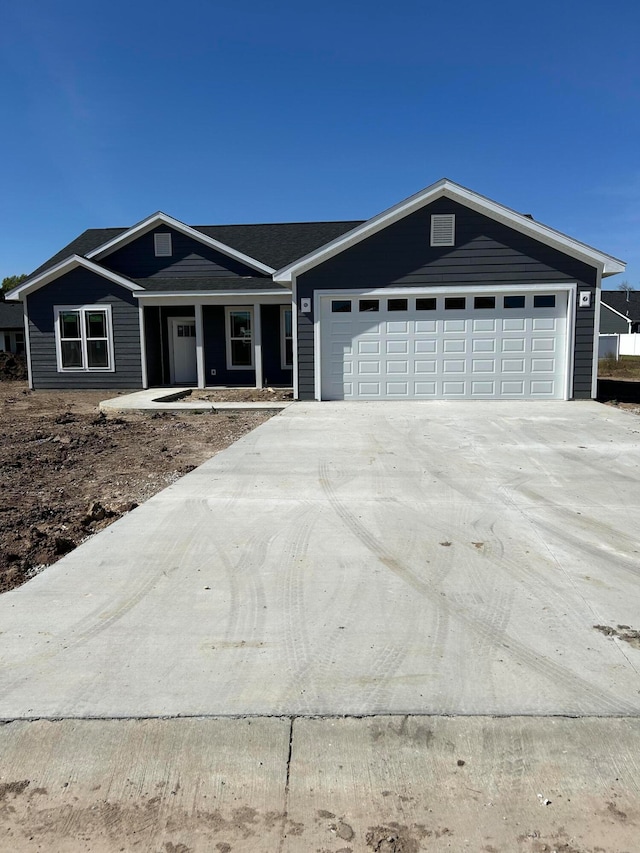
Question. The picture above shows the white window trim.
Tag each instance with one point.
(83, 309)
(435, 217)
(159, 249)
(229, 309)
(283, 338)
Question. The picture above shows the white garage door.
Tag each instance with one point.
(474, 346)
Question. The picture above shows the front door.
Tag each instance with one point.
(184, 369)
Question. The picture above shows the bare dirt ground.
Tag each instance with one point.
(241, 395)
(67, 470)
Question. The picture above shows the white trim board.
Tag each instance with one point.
(161, 218)
(470, 199)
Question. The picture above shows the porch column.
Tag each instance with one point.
(143, 348)
(200, 346)
(257, 344)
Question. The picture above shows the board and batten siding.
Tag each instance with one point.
(189, 259)
(82, 287)
(486, 253)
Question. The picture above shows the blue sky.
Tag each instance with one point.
(254, 112)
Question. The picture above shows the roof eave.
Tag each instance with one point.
(64, 267)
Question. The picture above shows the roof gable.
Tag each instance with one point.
(625, 304)
(46, 277)
(160, 218)
(474, 201)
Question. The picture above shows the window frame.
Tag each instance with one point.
(82, 311)
(228, 311)
(284, 337)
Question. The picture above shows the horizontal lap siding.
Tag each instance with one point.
(486, 253)
(189, 259)
(611, 323)
(81, 287)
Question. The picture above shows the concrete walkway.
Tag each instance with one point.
(356, 559)
(171, 400)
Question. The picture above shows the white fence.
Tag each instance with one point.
(629, 345)
(608, 346)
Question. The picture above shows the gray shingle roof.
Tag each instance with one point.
(617, 300)
(11, 315)
(275, 244)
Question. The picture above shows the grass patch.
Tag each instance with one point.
(626, 367)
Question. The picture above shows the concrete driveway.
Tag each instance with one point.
(355, 559)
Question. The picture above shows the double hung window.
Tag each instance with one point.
(239, 338)
(286, 338)
(84, 337)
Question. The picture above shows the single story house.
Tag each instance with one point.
(447, 294)
(619, 312)
(11, 327)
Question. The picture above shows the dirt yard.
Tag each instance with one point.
(67, 470)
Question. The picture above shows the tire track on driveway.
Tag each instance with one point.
(561, 677)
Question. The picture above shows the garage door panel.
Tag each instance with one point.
(426, 326)
(513, 350)
(398, 347)
(484, 325)
(514, 324)
(429, 346)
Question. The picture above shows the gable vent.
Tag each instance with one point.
(163, 245)
(443, 229)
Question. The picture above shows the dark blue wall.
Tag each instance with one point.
(81, 287)
(190, 259)
(486, 253)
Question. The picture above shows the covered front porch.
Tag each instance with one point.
(211, 341)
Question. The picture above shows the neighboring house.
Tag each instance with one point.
(445, 295)
(12, 327)
(619, 312)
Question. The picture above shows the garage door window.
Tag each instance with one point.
(484, 302)
(396, 304)
(369, 305)
(454, 303)
(544, 301)
(514, 302)
(340, 306)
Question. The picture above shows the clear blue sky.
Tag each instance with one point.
(288, 111)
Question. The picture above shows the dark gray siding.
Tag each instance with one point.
(215, 352)
(486, 253)
(81, 287)
(190, 259)
(611, 322)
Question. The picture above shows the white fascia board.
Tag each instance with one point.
(481, 204)
(624, 316)
(64, 267)
(200, 298)
(146, 295)
(163, 219)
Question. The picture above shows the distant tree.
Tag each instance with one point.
(625, 287)
(10, 282)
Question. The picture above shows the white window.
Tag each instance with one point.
(84, 337)
(162, 244)
(239, 338)
(443, 229)
(286, 338)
